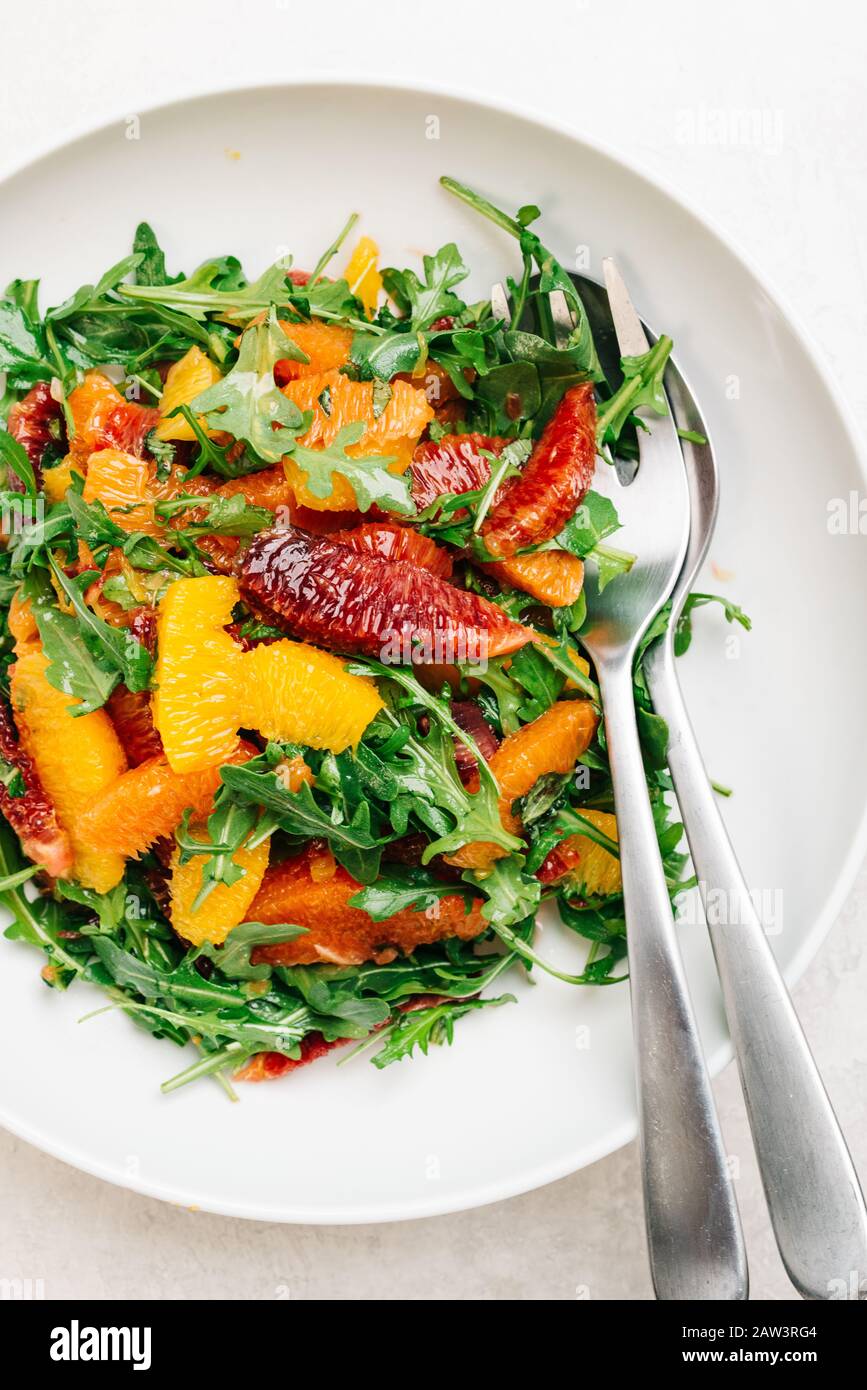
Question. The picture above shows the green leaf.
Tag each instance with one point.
(151, 269)
(224, 516)
(641, 386)
(88, 294)
(13, 455)
(425, 300)
(217, 287)
(510, 895)
(400, 888)
(233, 957)
(595, 519)
(426, 1027)
(299, 814)
(248, 403)
(369, 478)
(683, 631)
(116, 647)
(71, 667)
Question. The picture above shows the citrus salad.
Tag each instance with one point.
(295, 732)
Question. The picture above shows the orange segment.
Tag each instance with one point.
(185, 380)
(195, 704)
(21, 622)
(225, 906)
(76, 758)
(207, 686)
(91, 403)
(325, 344)
(552, 743)
(121, 481)
(589, 867)
(56, 481)
(298, 694)
(337, 933)
(362, 274)
(393, 433)
(146, 803)
(553, 577)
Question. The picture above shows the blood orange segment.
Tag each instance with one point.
(103, 419)
(326, 346)
(294, 693)
(317, 588)
(225, 906)
(334, 402)
(35, 422)
(590, 868)
(455, 464)
(554, 481)
(130, 713)
(123, 484)
(398, 543)
(553, 577)
(362, 274)
(26, 807)
(128, 426)
(76, 759)
(185, 380)
(552, 743)
(195, 705)
(339, 933)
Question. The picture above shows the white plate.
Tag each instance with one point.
(527, 1093)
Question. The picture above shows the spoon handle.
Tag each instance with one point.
(693, 1229)
(812, 1190)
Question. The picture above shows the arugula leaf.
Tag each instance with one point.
(683, 630)
(641, 386)
(116, 647)
(552, 276)
(510, 895)
(23, 352)
(298, 813)
(72, 668)
(424, 1027)
(610, 563)
(368, 477)
(400, 888)
(218, 287)
(224, 516)
(423, 301)
(595, 519)
(86, 295)
(13, 455)
(231, 826)
(233, 957)
(248, 402)
(151, 268)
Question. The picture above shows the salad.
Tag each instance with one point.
(296, 735)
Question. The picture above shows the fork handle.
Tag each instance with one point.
(693, 1229)
(812, 1190)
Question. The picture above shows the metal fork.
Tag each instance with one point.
(815, 1202)
(694, 1235)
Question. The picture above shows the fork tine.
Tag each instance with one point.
(631, 338)
(500, 303)
(562, 320)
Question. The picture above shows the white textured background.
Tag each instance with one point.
(659, 84)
